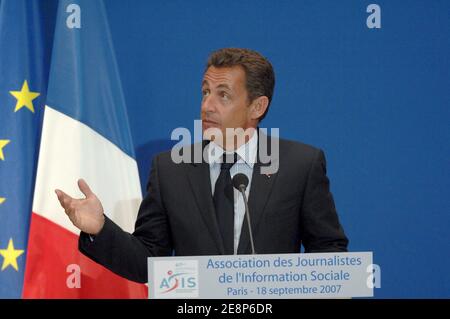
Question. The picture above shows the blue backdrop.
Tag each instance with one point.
(376, 100)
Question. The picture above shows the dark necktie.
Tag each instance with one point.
(224, 202)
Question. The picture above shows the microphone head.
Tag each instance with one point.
(240, 181)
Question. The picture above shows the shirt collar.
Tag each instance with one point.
(246, 152)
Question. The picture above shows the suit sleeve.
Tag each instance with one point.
(319, 223)
(126, 254)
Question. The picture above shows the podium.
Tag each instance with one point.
(266, 276)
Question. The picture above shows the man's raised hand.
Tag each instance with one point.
(86, 213)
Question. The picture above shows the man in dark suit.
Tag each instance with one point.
(191, 208)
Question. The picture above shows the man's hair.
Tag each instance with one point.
(259, 74)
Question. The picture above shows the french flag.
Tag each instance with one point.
(85, 134)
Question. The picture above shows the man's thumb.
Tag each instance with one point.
(84, 188)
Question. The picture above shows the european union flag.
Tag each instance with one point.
(26, 36)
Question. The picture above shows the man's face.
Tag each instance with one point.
(225, 99)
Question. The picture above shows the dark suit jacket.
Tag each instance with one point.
(291, 207)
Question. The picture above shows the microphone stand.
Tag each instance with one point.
(242, 190)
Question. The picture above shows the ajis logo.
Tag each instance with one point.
(176, 279)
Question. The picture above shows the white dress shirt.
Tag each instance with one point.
(245, 162)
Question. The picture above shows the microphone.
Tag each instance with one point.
(240, 182)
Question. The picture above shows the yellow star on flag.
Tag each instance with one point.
(2, 200)
(10, 256)
(24, 97)
(3, 143)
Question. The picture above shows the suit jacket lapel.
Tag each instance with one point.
(200, 180)
(260, 190)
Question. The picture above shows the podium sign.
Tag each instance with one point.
(318, 275)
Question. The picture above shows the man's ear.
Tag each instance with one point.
(259, 107)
